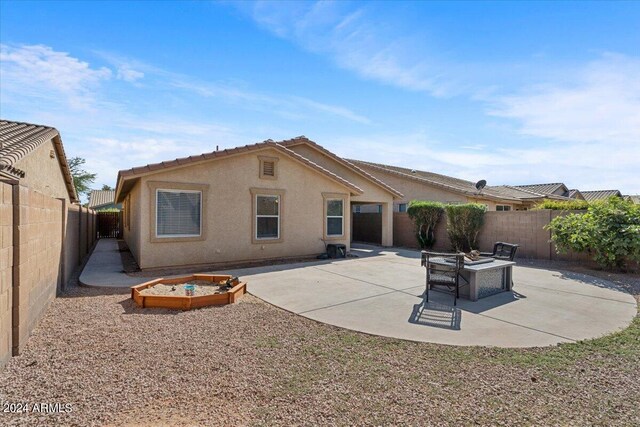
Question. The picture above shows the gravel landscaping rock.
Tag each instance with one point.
(253, 364)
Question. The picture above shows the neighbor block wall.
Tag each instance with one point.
(6, 266)
(37, 263)
(526, 228)
(42, 242)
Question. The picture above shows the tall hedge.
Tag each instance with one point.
(609, 231)
(425, 216)
(463, 225)
(563, 205)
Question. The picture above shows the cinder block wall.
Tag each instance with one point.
(525, 228)
(37, 264)
(366, 227)
(6, 266)
(42, 242)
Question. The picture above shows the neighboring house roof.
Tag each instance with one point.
(591, 196)
(350, 164)
(545, 188)
(18, 139)
(574, 194)
(634, 198)
(455, 185)
(99, 198)
(125, 176)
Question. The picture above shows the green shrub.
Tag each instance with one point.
(561, 205)
(609, 231)
(425, 216)
(463, 225)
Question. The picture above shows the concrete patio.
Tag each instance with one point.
(381, 293)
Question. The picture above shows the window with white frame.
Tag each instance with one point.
(335, 217)
(503, 208)
(178, 213)
(267, 217)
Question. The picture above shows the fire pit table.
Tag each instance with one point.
(486, 277)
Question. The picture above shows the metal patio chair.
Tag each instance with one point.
(503, 251)
(443, 275)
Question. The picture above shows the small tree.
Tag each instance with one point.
(425, 216)
(463, 225)
(609, 230)
(105, 187)
(82, 179)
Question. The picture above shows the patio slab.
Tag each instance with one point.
(381, 294)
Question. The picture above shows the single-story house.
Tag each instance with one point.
(421, 185)
(592, 196)
(34, 156)
(100, 200)
(270, 200)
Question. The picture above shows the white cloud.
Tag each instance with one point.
(356, 43)
(587, 166)
(600, 103)
(128, 74)
(40, 71)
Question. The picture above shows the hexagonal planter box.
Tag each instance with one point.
(185, 302)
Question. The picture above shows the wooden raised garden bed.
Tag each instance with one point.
(181, 301)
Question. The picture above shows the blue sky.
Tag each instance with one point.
(513, 93)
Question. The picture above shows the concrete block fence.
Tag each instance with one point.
(42, 241)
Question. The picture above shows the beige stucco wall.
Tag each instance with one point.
(131, 230)
(228, 213)
(43, 173)
(413, 190)
(372, 193)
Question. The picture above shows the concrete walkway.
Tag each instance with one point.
(104, 268)
(381, 292)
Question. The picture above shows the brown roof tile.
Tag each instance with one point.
(135, 172)
(19, 139)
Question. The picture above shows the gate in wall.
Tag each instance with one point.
(108, 224)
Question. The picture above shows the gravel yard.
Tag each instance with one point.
(253, 364)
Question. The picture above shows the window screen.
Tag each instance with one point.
(267, 217)
(178, 213)
(335, 217)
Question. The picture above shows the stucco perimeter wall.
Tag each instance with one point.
(6, 266)
(43, 172)
(228, 212)
(42, 242)
(525, 228)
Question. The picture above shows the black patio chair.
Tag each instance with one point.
(443, 275)
(503, 251)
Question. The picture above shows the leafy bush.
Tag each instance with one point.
(425, 216)
(561, 205)
(609, 230)
(463, 225)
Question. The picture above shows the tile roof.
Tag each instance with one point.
(348, 163)
(591, 196)
(634, 198)
(18, 139)
(453, 184)
(132, 173)
(99, 198)
(544, 188)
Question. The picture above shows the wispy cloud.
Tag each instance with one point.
(40, 71)
(355, 42)
(600, 103)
